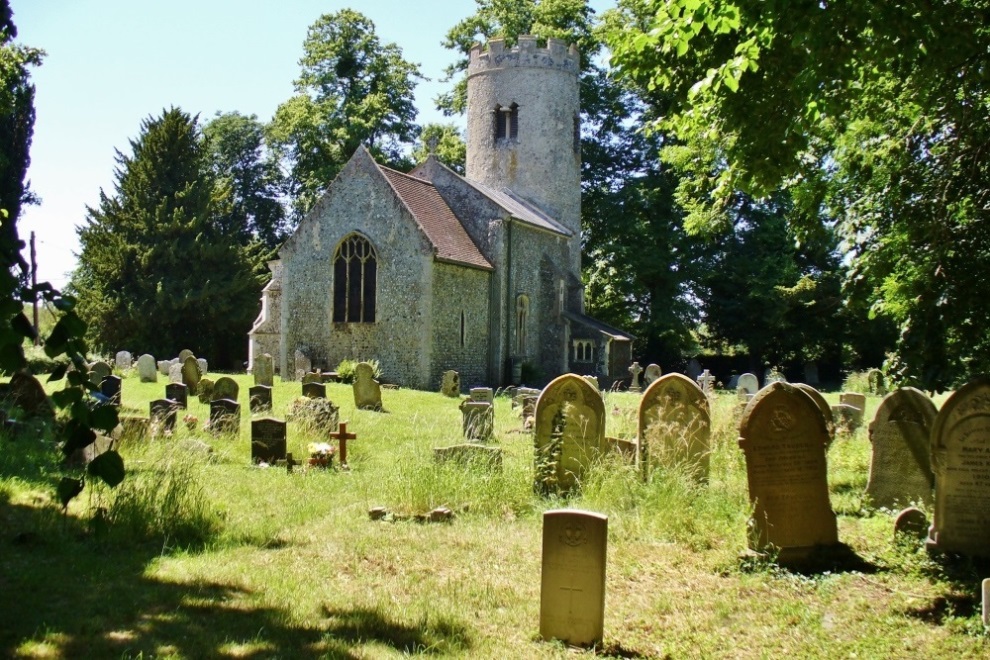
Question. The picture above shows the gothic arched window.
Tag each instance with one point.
(355, 281)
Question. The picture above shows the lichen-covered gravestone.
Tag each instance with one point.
(147, 369)
(367, 391)
(314, 390)
(569, 432)
(823, 406)
(268, 440)
(783, 437)
(263, 370)
(191, 373)
(675, 426)
(900, 466)
(175, 373)
(225, 388)
(572, 579)
(185, 353)
(652, 372)
(961, 462)
(450, 384)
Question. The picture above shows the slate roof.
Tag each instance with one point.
(595, 324)
(519, 208)
(442, 228)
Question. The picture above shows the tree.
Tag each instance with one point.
(872, 116)
(443, 141)
(161, 266)
(352, 90)
(239, 158)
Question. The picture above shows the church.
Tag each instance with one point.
(430, 271)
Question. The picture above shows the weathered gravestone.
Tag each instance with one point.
(823, 406)
(163, 414)
(204, 391)
(260, 398)
(185, 353)
(470, 454)
(147, 369)
(225, 416)
(263, 370)
(569, 432)
(110, 388)
(98, 371)
(876, 382)
(311, 377)
(175, 373)
(314, 390)
(483, 394)
(267, 440)
(28, 394)
(783, 437)
(450, 384)
(478, 420)
(911, 522)
(225, 387)
(123, 360)
(900, 467)
(961, 462)
(773, 375)
(749, 384)
(635, 370)
(852, 419)
(367, 391)
(675, 426)
(653, 371)
(303, 365)
(191, 373)
(572, 579)
(985, 586)
(165, 366)
(178, 393)
(203, 366)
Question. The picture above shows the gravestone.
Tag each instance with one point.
(675, 426)
(185, 353)
(733, 383)
(653, 371)
(783, 438)
(367, 391)
(164, 366)
(961, 462)
(203, 366)
(470, 454)
(748, 383)
(163, 412)
(29, 395)
(225, 388)
(178, 393)
(312, 377)
(485, 394)
(693, 369)
(175, 373)
(267, 440)
(147, 369)
(985, 586)
(263, 370)
(569, 432)
(477, 420)
(260, 398)
(572, 578)
(876, 382)
(110, 388)
(823, 406)
(450, 384)
(204, 391)
(225, 416)
(857, 401)
(627, 450)
(635, 370)
(911, 522)
(314, 390)
(123, 360)
(191, 373)
(900, 467)
(303, 365)
(706, 381)
(773, 375)
(98, 371)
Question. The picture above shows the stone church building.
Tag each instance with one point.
(430, 271)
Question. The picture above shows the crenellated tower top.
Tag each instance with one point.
(526, 53)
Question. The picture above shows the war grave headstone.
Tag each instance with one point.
(823, 406)
(367, 391)
(900, 466)
(225, 387)
(314, 390)
(260, 398)
(163, 413)
(98, 371)
(450, 384)
(470, 454)
(263, 370)
(179, 393)
(477, 420)
(267, 440)
(191, 373)
(961, 462)
(175, 374)
(569, 432)
(225, 416)
(110, 388)
(123, 360)
(147, 369)
(675, 426)
(635, 370)
(783, 438)
(652, 372)
(572, 577)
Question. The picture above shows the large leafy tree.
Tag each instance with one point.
(352, 90)
(871, 115)
(161, 267)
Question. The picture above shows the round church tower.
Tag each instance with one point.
(523, 130)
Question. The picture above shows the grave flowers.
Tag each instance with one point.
(321, 454)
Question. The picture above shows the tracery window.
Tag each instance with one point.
(584, 350)
(355, 280)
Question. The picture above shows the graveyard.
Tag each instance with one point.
(419, 546)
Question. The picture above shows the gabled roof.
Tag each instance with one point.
(595, 324)
(519, 208)
(441, 227)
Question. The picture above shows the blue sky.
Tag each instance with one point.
(112, 63)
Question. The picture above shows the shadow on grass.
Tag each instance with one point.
(838, 558)
(362, 624)
(963, 576)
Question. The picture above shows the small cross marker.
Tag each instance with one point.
(342, 436)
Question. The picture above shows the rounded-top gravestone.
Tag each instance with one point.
(569, 431)
(147, 369)
(191, 373)
(225, 387)
(822, 404)
(900, 464)
(675, 426)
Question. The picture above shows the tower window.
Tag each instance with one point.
(355, 281)
(506, 122)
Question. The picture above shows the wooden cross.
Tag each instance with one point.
(290, 463)
(342, 436)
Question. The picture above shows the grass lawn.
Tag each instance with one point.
(198, 555)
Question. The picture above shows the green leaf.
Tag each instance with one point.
(66, 397)
(11, 357)
(58, 373)
(78, 436)
(108, 466)
(105, 417)
(68, 488)
(22, 326)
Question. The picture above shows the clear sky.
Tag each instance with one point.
(112, 63)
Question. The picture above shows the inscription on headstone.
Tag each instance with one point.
(675, 426)
(900, 466)
(569, 432)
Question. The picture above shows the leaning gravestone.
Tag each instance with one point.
(367, 391)
(225, 416)
(263, 370)
(783, 438)
(572, 579)
(450, 384)
(900, 467)
(178, 393)
(675, 426)
(191, 373)
(267, 440)
(260, 398)
(147, 369)
(163, 413)
(857, 401)
(98, 371)
(314, 390)
(823, 406)
(110, 388)
(961, 462)
(569, 432)
(123, 360)
(225, 388)
(652, 372)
